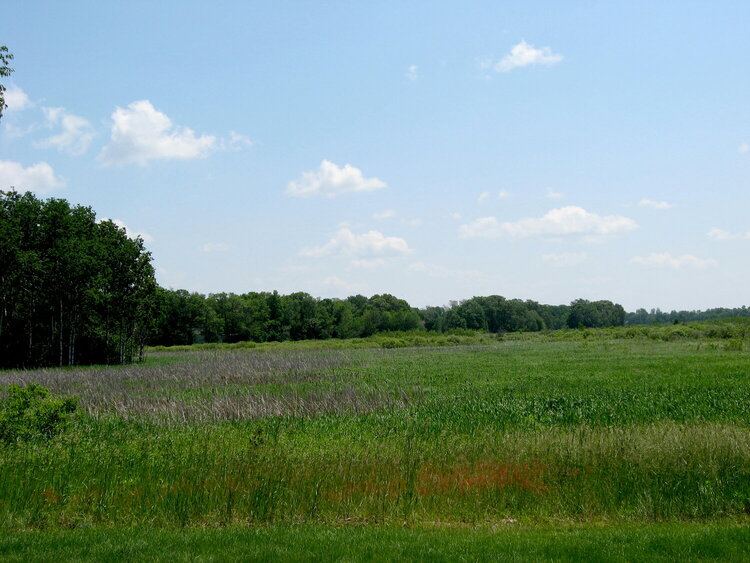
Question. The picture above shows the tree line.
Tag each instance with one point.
(657, 316)
(188, 318)
(73, 290)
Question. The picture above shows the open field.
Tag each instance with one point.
(530, 433)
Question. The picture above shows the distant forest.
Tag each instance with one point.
(657, 316)
(186, 318)
(74, 290)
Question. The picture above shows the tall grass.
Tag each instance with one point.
(525, 429)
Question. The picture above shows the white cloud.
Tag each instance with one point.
(128, 231)
(552, 194)
(39, 177)
(387, 214)
(437, 271)
(483, 196)
(213, 247)
(721, 234)
(744, 147)
(655, 204)
(412, 73)
(76, 134)
(502, 194)
(523, 54)
(331, 180)
(568, 220)
(141, 133)
(666, 260)
(565, 259)
(456, 216)
(346, 243)
(16, 99)
(236, 141)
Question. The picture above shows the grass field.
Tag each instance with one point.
(654, 542)
(492, 444)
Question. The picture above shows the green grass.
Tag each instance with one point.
(609, 427)
(674, 542)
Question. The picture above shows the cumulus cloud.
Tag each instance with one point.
(655, 204)
(552, 194)
(331, 180)
(523, 54)
(565, 259)
(502, 194)
(744, 147)
(39, 177)
(16, 99)
(666, 260)
(141, 133)
(570, 220)
(346, 243)
(483, 196)
(213, 247)
(721, 235)
(76, 134)
(130, 232)
(412, 73)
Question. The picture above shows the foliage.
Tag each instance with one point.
(72, 289)
(597, 314)
(188, 318)
(33, 412)
(5, 71)
(656, 316)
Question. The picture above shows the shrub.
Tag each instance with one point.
(734, 345)
(33, 412)
(393, 343)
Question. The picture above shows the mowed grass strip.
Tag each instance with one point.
(673, 542)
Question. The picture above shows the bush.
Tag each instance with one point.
(33, 412)
(734, 345)
(393, 343)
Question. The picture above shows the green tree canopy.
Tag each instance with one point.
(5, 71)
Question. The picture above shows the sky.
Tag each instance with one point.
(436, 151)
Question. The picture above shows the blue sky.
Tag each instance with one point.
(435, 151)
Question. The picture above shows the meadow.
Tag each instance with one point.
(615, 434)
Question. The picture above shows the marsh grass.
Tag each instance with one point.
(625, 429)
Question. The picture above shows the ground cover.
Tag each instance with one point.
(563, 542)
(586, 426)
